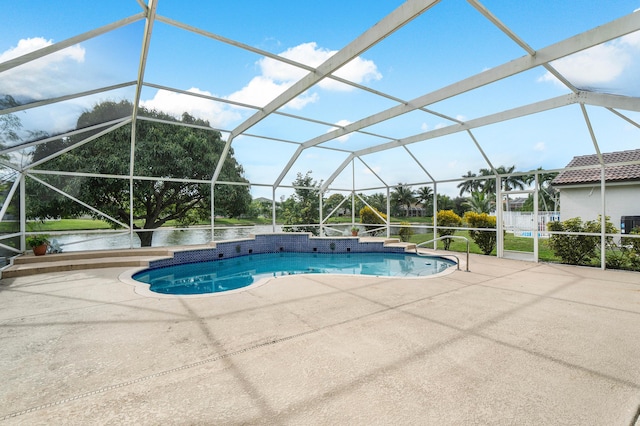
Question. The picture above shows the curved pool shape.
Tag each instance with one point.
(230, 274)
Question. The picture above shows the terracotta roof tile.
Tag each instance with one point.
(613, 173)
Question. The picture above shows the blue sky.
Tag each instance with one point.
(449, 42)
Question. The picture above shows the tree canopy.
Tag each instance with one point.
(403, 196)
(303, 206)
(175, 161)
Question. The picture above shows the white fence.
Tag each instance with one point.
(522, 224)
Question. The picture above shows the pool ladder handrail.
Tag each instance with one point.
(444, 255)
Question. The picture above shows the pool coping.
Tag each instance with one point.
(394, 245)
(143, 289)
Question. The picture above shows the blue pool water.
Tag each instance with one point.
(229, 274)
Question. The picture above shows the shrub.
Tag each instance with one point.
(578, 249)
(405, 231)
(633, 243)
(369, 215)
(486, 240)
(628, 255)
(447, 218)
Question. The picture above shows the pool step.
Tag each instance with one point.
(29, 264)
(96, 254)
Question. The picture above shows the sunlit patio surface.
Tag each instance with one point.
(510, 342)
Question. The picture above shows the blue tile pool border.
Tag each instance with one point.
(278, 243)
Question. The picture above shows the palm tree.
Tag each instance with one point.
(425, 197)
(547, 194)
(511, 182)
(379, 201)
(403, 195)
(489, 185)
(479, 202)
(469, 185)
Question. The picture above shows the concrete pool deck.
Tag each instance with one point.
(510, 342)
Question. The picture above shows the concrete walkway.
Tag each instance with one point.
(509, 343)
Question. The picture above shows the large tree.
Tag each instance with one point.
(9, 123)
(302, 208)
(163, 152)
(334, 201)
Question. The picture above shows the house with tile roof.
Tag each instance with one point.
(579, 186)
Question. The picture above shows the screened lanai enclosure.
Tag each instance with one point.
(143, 120)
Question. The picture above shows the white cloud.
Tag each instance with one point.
(611, 65)
(218, 115)
(631, 40)
(540, 146)
(44, 77)
(341, 123)
(59, 73)
(276, 76)
(442, 125)
(424, 127)
(358, 70)
(28, 45)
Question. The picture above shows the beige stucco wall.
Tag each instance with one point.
(585, 202)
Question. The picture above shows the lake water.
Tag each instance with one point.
(80, 241)
(161, 238)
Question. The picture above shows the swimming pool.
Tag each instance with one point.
(238, 272)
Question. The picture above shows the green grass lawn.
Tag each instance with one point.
(67, 225)
(95, 224)
(510, 243)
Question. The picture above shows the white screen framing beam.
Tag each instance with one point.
(614, 29)
(390, 23)
(522, 111)
(28, 57)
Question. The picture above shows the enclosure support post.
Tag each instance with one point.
(603, 220)
(213, 209)
(273, 209)
(388, 212)
(23, 213)
(499, 219)
(536, 218)
(353, 192)
(132, 165)
(435, 214)
(320, 231)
